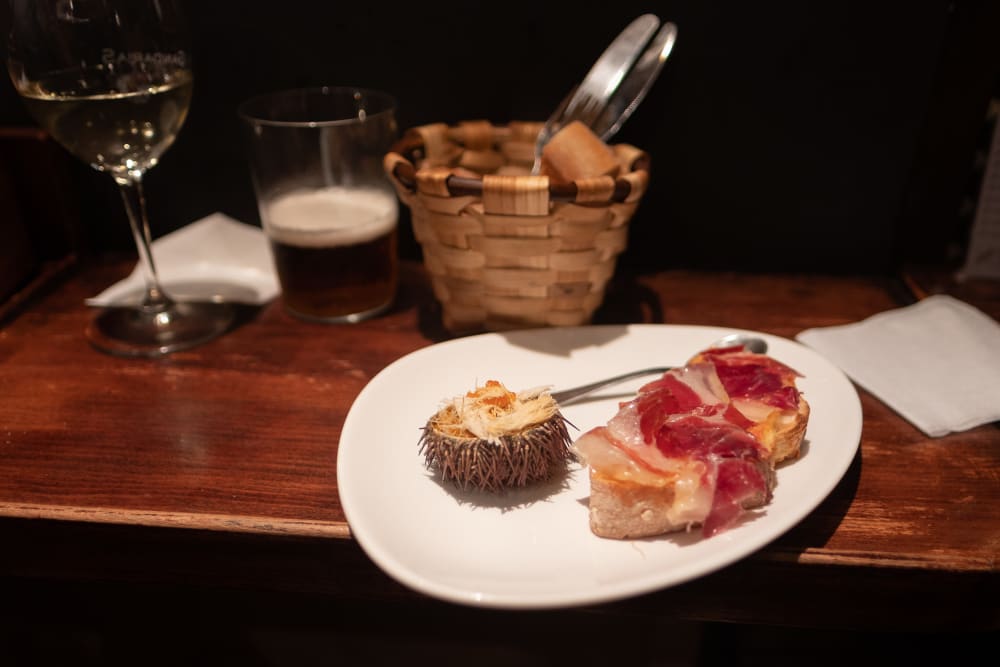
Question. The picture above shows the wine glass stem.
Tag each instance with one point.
(135, 207)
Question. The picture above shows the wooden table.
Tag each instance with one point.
(214, 469)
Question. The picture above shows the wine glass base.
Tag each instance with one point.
(138, 331)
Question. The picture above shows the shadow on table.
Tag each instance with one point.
(827, 517)
(626, 301)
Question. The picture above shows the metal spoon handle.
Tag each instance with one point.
(568, 395)
(638, 82)
(587, 100)
(750, 343)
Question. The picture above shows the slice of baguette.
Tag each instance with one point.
(625, 509)
(622, 509)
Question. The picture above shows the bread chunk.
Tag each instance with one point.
(575, 152)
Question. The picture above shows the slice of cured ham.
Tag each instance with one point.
(764, 391)
(753, 376)
(682, 432)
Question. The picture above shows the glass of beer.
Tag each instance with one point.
(325, 203)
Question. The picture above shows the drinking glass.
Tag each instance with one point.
(326, 205)
(111, 81)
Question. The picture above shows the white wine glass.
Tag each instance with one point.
(111, 81)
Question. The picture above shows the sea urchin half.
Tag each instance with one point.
(493, 439)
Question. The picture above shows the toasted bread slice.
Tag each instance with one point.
(782, 431)
(623, 509)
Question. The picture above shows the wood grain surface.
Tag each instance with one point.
(217, 465)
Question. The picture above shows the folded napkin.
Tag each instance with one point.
(936, 363)
(213, 258)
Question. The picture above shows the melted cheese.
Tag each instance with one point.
(693, 496)
(693, 481)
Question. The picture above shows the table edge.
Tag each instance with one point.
(223, 523)
(275, 526)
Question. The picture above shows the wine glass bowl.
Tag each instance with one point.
(122, 133)
(111, 81)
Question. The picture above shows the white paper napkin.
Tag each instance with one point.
(936, 363)
(212, 258)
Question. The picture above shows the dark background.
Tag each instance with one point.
(823, 136)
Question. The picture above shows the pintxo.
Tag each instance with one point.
(696, 447)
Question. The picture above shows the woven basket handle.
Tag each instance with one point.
(437, 146)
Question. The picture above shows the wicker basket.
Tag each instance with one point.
(506, 249)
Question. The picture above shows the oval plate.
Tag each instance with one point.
(532, 548)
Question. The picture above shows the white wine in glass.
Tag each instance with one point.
(111, 81)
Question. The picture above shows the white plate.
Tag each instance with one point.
(533, 548)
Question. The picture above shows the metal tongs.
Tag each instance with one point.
(616, 83)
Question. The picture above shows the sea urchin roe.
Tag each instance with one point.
(492, 411)
(492, 439)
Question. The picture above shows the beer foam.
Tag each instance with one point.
(331, 216)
